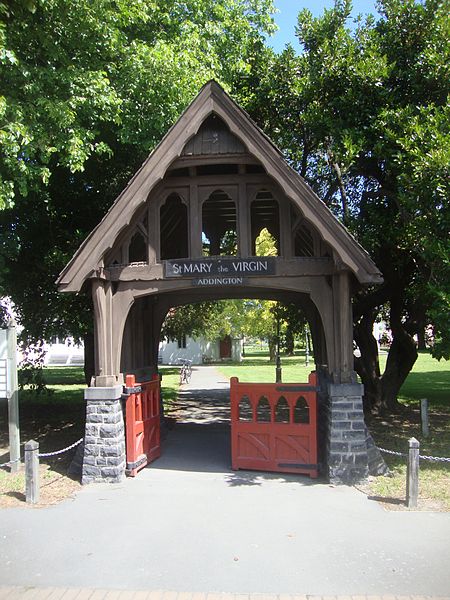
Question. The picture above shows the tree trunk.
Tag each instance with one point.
(337, 169)
(401, 358)
(89, 357)
(367, 365)
(289, 342)
(381, 391)
(272, 349)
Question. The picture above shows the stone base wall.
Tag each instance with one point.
(104, 443)
(347, 455)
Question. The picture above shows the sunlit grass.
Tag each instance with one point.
(434, 484)
(12, 482)
(257, 367)
(429, 378)
(169, 385)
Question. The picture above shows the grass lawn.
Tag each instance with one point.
(55, 419)
(429, 379)
(170, 377)
(257, 367)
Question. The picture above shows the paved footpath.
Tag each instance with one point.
(190, 523)
(103, 594)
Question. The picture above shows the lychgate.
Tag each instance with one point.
(184, 230)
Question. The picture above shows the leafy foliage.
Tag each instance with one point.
(31, 373)
(73, 73)
(362, 114)
(88, 88)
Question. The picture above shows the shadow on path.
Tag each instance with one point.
(200, 440)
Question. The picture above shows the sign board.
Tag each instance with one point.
(230, 269)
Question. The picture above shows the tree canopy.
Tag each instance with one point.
(363, 114)
(79, 78)
(88, 88)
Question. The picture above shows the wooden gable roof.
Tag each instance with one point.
(213, 99)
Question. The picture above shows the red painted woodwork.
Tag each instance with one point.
(142, 424)
(274, 426)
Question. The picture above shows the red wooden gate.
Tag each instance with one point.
(142, 423)
(274, 426)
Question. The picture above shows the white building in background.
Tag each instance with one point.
(63, 352)
(57, 351)
(199, 351)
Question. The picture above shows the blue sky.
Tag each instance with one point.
(286, 19)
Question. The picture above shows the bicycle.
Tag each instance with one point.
(185, 371)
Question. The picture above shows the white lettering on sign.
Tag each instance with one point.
(219, 281)
(219, 266)
(189, 269)
(250, 265)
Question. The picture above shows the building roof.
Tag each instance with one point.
(213, 99)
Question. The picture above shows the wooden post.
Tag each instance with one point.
(306, 346)
(424, 417)
(32, 472)
(412, 474)
(13, 399)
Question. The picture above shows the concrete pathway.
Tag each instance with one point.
(205, 399)
(190, 524)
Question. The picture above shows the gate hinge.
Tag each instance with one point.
(297, 388)
(127, 391)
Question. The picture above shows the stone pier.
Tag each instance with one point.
(104, 444)
(346, 434)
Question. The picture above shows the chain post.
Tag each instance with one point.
(412, 474)
(32, 472)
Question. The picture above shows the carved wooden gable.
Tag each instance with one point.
(213, 137)
(215, 176)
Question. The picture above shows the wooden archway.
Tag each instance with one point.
(211, 167)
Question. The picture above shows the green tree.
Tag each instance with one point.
(265, 244)
(88, 88)
(189, 320)
(363, 115)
